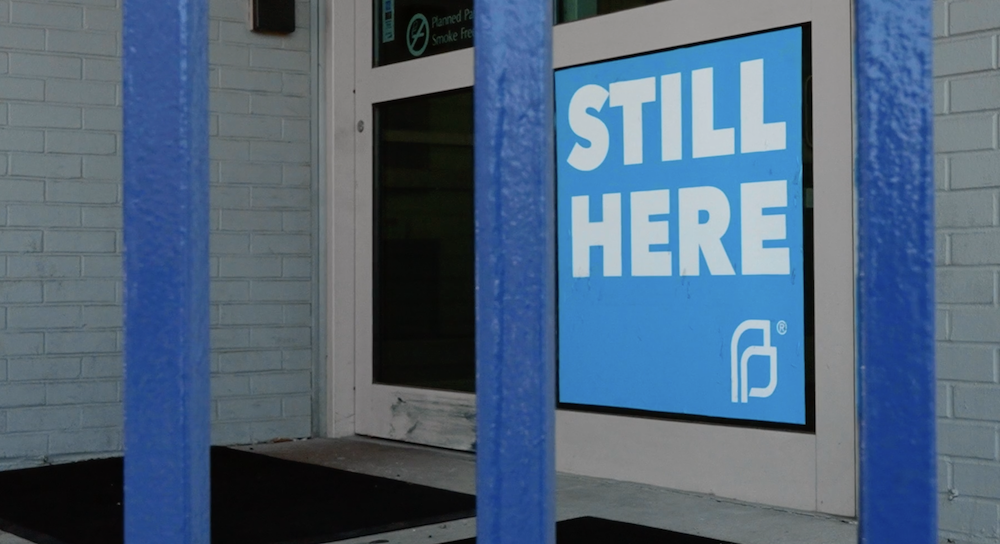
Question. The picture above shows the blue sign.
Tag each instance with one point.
(680, 231)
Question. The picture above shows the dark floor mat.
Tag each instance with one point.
(256, 499)
(590, 530)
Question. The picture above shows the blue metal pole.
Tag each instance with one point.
(515, 273)
(895, 271)
(165, 72)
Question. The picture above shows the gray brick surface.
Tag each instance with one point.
(44, 317)
(108, 366)
(229, 338)
(228, 243)
(20, 291)
(91, 143)
(297, 406)
(12, 139)
(296, 267)
(264, 290)
(965, 55)
(89, 192)
(46, 166)
(250, 314)
(277, 383)
(971, 324)
(81, 342)
(42, 419)
(249, 409)
(228, 432)
(67, 91)
(97, 118)
(102, 19)
(22, 190)
(967, 439)
(102, 70)
(969, 171)
(966, 208)
(88, 43)
(229, 101)
(21, 395)
(28, 64)
(974, 94)
(35, 266)
(966, 362)
(251, 220)
(37, 369)
(977, 479)
(44, 116)
(251, 173)
(61, 243)
(89, 291)
(81, 392)
(108, 415)
(224, 385)
(14, 88)
(968, 132)
(977, 402)
(20, 241)
(976, 248)
(286, 337)
(102, 267)
(280, 243)
(85, 441)
(21, 445)
(46, 15)
(286, 427)
(972, 15)
(976, 518)
(965, 286)
(25, 39)
(940, 16)
(967, 174)
(80, 241)
(250, 361)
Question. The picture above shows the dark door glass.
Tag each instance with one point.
(424, 255)
(411, 29)
(573, 10)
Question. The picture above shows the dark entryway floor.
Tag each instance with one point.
(577, 496)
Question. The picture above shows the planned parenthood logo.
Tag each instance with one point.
(680, 231)
(741, 389)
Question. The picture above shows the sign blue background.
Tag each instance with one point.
(662, 344)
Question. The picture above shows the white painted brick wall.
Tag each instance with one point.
(967, 103)
(60, 229)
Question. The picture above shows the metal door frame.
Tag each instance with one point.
(815, 472)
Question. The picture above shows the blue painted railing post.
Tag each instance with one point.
(165, 73)
(895, 187)
(515, 272)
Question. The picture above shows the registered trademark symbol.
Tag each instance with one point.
(782, 327)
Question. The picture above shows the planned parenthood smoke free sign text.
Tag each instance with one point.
(680, 231)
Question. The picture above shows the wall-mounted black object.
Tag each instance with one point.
(274, 16)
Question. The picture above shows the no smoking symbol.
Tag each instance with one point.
(418, 35)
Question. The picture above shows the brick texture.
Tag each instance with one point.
(967, 103)
(60, 229)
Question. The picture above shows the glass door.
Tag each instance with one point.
(415, 378)
(768, 413)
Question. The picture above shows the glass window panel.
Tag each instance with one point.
(409, 29)
(573, 10)
(424, 253)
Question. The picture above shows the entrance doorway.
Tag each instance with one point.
(413, 284)
(415, 377)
